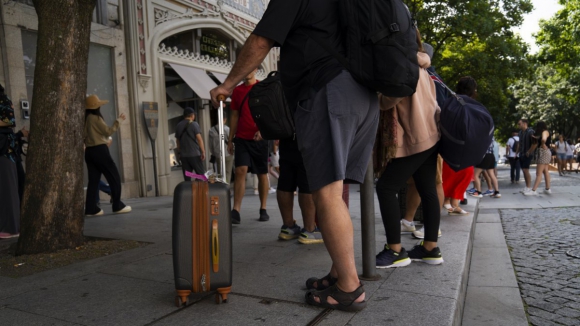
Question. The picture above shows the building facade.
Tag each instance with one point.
(144, 55)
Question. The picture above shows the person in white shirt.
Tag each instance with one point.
(512, 155)
(561, 147)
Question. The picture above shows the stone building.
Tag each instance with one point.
(144, 54)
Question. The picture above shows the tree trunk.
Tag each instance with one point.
(52, 216)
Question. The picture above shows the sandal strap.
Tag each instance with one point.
(343, 298)
(320, 282)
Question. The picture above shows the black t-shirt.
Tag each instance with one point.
(304, 64)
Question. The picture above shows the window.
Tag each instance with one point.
(100, 15)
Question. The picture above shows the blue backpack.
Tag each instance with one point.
(466, 131)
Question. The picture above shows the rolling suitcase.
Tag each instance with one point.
(202, 235)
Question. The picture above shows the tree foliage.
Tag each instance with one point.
(552, 93)
(475, 38)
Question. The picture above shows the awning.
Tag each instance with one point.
(195, 78)
(221, 77)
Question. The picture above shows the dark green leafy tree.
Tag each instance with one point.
(475, 38)
(552, 93)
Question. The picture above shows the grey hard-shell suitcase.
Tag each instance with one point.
(202, 236)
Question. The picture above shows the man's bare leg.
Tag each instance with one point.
(527, 177)
(337, 232)
(286, 205)
(263, 187)
(240, 186)
(308, 210)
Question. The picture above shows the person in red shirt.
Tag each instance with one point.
(251, 151)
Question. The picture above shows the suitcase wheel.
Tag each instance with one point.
(179, 301)
(222, 295)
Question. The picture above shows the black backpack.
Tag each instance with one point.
(466, 131)
(381, 45)
(270, 109)
(516, 146)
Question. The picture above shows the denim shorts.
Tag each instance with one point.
(561, 156)
(336, 129)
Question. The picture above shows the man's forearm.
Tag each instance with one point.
(252, 55)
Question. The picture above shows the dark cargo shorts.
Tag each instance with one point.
(336, 129)
(292, 170)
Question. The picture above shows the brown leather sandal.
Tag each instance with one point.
(346, 301)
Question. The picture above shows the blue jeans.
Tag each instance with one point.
(104, 188)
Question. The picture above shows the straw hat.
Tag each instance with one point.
(93, 102)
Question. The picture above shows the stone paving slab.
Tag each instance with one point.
(242, 310)
(488, 218)
(400, 308)
(98, 299)
(489, 235)
(492, 267)
(493, 306)
(12, 317)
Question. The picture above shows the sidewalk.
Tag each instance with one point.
(136, 287)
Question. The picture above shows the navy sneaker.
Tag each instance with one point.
(390, 259)
(419, 253)
(289, 232)
(235, 217)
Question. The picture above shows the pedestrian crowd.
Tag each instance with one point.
(339, 125)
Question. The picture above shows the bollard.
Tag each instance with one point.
(367, 206)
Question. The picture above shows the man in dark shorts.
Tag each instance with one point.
(251, 151)
(336, 122)
(525, 135)
(190, 144)
(292, 176)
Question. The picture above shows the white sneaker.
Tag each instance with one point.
(256, 192)
(548, 191)
(407, 228)
(272, 191)
(98, 214)
(526, 189)
(125, 209)
(531, 193)
(420, 234)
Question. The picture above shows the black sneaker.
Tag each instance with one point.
(389, 258)
(236, 219)
(419, 253)
(264, 217)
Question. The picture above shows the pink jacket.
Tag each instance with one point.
(417, 115)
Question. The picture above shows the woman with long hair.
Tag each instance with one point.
(541, 140)
(98, 159)
(404, 150)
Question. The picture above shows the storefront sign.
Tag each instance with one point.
(255, 8)
(151, 114)
(215, 46)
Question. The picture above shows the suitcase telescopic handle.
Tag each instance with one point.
(221, 99)
(215, 246)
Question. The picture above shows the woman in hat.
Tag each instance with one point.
(9, 200)
(98, 158)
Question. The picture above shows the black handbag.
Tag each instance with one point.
(270, 109)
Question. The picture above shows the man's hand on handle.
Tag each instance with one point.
(218, 94)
